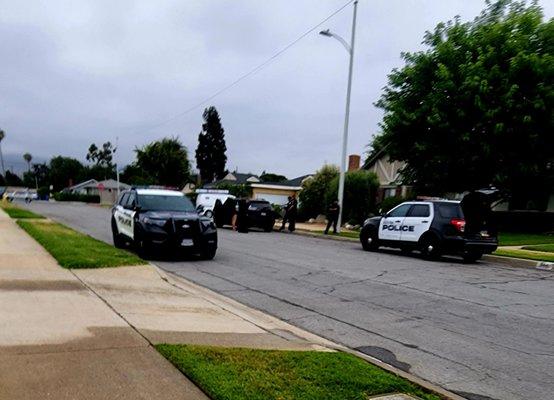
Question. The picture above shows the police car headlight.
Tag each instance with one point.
(155, 222)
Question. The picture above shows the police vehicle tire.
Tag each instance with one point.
(141, 246)
(209, 213)
(471, 257)
(367, 244)
(208, 253)
(117, 240)
(430, 247)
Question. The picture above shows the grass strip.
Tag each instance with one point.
(547, 248)
(18, 213)
(529, 255)
(522, 239)
(251, 374)
(73, 249)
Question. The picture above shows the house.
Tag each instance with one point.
(106, 189)
(388, 173)
(278, 192)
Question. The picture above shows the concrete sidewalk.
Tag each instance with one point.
(88, 334)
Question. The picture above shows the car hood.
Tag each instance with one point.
(170, 214)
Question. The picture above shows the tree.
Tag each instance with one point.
(240, 190)
(210, 153)
(360, 188)
(65, 171)
(312, 195)
(2, 136)
(475, 108)
(12, 179)
(102, 157)
(28, 158)
(134, 175)
(165, 162)
(268, 177)
(2, 180)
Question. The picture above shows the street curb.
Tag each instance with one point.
(267, 321)
(513, 262)
(322, 236)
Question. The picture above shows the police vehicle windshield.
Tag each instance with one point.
(165, 203)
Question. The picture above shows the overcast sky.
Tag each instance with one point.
(76, 72)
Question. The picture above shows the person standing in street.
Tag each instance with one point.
(242, 216)
(286, 215)
(332, 216)
(292, 211)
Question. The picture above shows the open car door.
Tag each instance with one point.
(476, 206)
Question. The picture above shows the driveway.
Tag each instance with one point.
(482, 330)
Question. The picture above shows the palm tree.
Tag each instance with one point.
(28, 157)
(2, 136)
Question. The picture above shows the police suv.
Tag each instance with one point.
(147, 217)
(434, 228)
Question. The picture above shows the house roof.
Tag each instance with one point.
(235, 178)
(89, 183)
(93, 183)
(294, 184)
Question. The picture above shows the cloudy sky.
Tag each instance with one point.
(76, 72)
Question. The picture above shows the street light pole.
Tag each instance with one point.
(350, 50)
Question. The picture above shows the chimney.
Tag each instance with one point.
(353, 162)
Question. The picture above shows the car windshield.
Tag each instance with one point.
(165, 203)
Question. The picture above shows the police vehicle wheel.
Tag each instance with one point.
(369, 241)
(117, 240)
(209, 214)
(429, 248)
(208, 253)
(471, 257)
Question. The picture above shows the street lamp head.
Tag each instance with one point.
(326, 32)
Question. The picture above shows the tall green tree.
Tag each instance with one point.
(102, 157)
(12, 179)
(165, 162)
(475, 108)
(210, 153)
(65, 171)
(28, 158)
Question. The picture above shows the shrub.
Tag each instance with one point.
(389, 203)
(85, 198)
(312, 196)
(241, 190)
(360, 188)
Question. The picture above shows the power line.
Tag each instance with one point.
(253, 71)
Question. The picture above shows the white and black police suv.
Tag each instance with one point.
(163, 218)
(434, 228)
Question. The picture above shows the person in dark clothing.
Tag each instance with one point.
(242, 216)
(286, 216)
(332, 216)
(293, 211)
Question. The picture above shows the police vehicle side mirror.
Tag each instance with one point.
(137, 207)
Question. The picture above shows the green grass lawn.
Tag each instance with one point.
(73, 249)
(521, 239)
(538, 256)
(346, 234)
(250, 374)
(16, 212)
(547, 248)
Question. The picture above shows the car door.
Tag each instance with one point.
(417, 222)
(128, 215)
(119, 213)
(391, 223)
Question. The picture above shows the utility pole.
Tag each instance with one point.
(350, 49)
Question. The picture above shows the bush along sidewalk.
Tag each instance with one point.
(73, 249)
(251, 374)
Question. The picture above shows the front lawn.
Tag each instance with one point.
(522, 239)
(73, 249)
(530, 255)
(547, 248)
(250, 374)
(343, 233)
(16, 212)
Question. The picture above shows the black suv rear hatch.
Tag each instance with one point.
(476, 207)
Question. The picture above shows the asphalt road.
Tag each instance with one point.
(481, 330)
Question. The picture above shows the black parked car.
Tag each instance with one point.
(162, 218)
(260, 214)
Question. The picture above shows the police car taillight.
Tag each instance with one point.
(459, 224)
